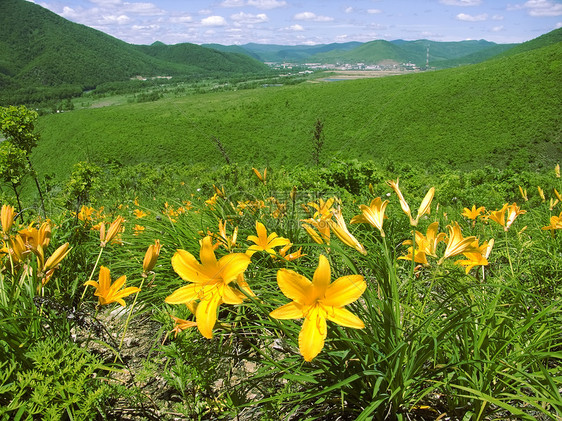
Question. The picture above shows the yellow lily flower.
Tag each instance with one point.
(512, 212)
(151, 256)
(323, 228)
(372, 214)
(220, 192)
(473, 213)
(139, 213)
(115, 228)
(425, 245)
(553, 203)
(85, 213)
(323, 208)
(317, 301)
(17, 249)
(478, 256)
(33, 237)
(541, 193)
(59, 254)
(7, 219)
(317, 238)
(209, 282)
(227, 241)
(557, 170)
(264, 242)
(425, 206)
(555, 224)
(340, 229)
(557, 195)
(261, 177)
(498, 215)
(107, 292)
(523, 193)
(180, 325)
(456, 243)
(291, 256)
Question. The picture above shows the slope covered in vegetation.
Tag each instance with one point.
(502, 111)
(41, 52)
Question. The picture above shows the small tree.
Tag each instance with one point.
(13, 168)
(17, 124)
(84, 178)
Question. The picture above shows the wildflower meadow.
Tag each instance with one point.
(385, 293)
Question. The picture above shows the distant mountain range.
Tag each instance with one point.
(373, 52)
(43, 55)
(41, 50)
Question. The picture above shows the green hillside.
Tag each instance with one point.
(477, 57)
(499, 112)
(42, 54)
(207, 59)
(299, 53)
(369, 53)
(550, 38)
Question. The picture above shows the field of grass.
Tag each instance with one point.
(503, 112)
(416, 340)
(384, 249)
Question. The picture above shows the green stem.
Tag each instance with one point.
(508, 255)
(130, 314)
(91, 274)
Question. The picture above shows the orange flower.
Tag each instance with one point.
(473, 213)
(107, 292)
(151, 256)
(261, 177)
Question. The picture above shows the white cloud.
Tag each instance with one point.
(470, 18)
(248, 18)
(107, 2)
(181, 19)
(373, 11)
(312, 17)
(497, 17)
(213, 21)
(267, 4)
(349, 9)
(461, 2)
(497, 28)
(541, 8)
(232, 3)
(296, 28)
(112, 20)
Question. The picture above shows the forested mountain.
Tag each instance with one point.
(374, 52)
(41, 50)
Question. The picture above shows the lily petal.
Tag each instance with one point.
(293, 285)
(293, 310)
(313, 334)
(322, 274)
(344, 317)
(206, 315)
(187, 267)
(232, 265)
(185, 294)
(344, 290)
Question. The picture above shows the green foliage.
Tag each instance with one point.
(18, 126)
(50, 57)
(84, 178)
(60, 384)
(507, 108)
(13, 164)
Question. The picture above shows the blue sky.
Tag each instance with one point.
(292, 22)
